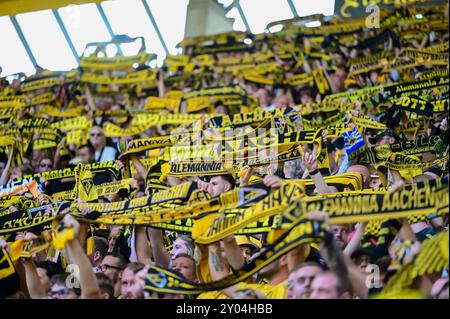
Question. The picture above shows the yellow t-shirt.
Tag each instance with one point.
(270, 291)
(212, 295)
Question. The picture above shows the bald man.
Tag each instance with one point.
(361, 169)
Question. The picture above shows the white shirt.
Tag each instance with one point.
(108, 154)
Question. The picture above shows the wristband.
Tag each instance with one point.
(314, 172)
(279, 173)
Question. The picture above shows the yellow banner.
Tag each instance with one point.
(114, 63)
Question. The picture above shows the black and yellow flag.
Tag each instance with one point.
(9, 279)
(85, 189)
(298, 230)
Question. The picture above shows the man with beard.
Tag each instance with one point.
(341, 234)
(131, 286)
(112, 266)
(218, 185)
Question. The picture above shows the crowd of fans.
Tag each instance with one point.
(341, 266)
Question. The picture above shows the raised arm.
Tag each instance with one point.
(4, 177)
(406, 232)
(141, 169)
(233, 252)
(160, 255)
(143, 249)
(355, 242)
(311, 165)
(34, 285)
(219, 268)
(88, 282)
(89, 98)
(161, 84)
(57, 157)
(327, 76)
(343, 265)
(339, 262)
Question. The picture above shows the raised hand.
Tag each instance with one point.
(71, 222)
(120, 164)
(272, 181)
(310, 161)
(245, 176)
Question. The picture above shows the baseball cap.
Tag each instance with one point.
(248, 240)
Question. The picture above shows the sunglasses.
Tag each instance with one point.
(96, 134)
(45, 165)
